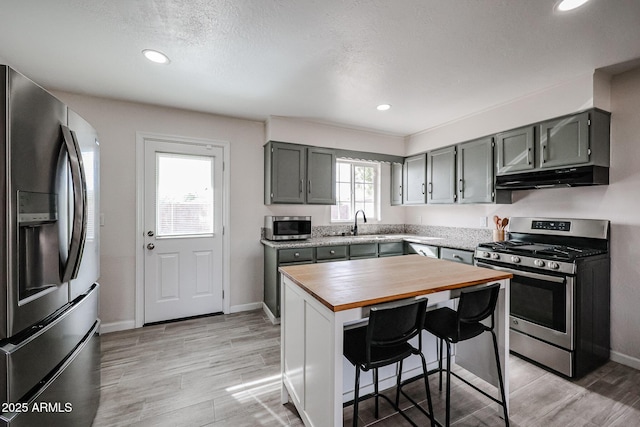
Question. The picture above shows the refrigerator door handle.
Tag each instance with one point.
(79, 228)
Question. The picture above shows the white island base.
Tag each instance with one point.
(317, 379)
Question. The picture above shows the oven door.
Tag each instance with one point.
(541, 305)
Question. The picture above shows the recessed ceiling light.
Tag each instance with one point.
(383, 107)
(155, 56)
(566, 5)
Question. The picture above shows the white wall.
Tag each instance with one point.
(333, 136)
(618, 202)
(117, 123)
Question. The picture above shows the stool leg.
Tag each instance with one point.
(504, 399)
(399, 378)
(356, 393)
(426, 384)
(375, 391)
(440, 365)
(448, 399)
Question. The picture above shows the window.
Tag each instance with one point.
(184, 195)
(356, 188)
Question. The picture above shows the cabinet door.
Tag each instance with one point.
(321, 176)
(287, 173)
(564, 141)
(441, 170)
(475, 171)
(515, 150)
(457, 255)
(396, 184)
(414, 179)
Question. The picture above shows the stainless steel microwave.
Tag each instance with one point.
(287, 227)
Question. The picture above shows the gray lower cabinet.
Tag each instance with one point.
(441, 172)
(396, 184)
(457, 255)
(390, 249)
(274, 258)
(475, 171)
(363, 250)
(298, 174)
(332, 253)
(421, 249)
(415, 172)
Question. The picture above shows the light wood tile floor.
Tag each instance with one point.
(224, 371)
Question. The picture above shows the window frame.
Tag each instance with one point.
(377, 202)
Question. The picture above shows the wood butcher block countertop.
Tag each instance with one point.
(344, 285)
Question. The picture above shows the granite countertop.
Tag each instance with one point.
(455, 240)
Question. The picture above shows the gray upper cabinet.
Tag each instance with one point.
(414, 180)
(564, 141)
(298, 174)
(321, 176)
(515, 150)
(475, 171)
(396, 184)
(441, 171)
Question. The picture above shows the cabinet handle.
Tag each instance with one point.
(544, 153)
(423, 188)
(296, 255)
(400, 193)
(332, 252)
(456, 256)
(430, 187)
(529, 155)
(460, 185)
(309, 186)
(301, 182)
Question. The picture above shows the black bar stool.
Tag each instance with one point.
(384, 341)
(452, 327)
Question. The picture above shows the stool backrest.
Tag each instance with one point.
(395, 323)
(476, 305)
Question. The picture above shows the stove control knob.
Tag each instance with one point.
(486, 254)
(495, 256)
(538, 263)
(554, 265)
(515, 259)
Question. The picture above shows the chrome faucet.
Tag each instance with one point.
(355, 224)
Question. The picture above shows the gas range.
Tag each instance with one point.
(559, 293)
(554, 245)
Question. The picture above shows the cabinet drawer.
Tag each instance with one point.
(365, 250)
(424, 250)
(295, 255)
(390, 248)
(327, 253)
(457, 255)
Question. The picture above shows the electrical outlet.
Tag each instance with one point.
(419, 219)
(484, 221)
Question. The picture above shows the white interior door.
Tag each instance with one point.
(183, 230)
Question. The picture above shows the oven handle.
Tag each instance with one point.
(523, 273)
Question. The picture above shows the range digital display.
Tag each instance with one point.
(551, 225)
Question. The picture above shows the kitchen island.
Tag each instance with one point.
(320, 300)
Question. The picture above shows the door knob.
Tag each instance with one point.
(151, 246)
(150, 233)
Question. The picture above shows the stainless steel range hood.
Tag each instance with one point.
(567, 177)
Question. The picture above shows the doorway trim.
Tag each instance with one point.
(141, 139)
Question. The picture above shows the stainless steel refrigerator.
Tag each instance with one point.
(49, 259)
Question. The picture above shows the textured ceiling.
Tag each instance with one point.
(326, 60)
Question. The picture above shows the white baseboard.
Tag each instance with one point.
(105, 328)
(625, 360)
(245, 307)
(274, 320)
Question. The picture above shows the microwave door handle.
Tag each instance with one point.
(79, 226)
(523, 273)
